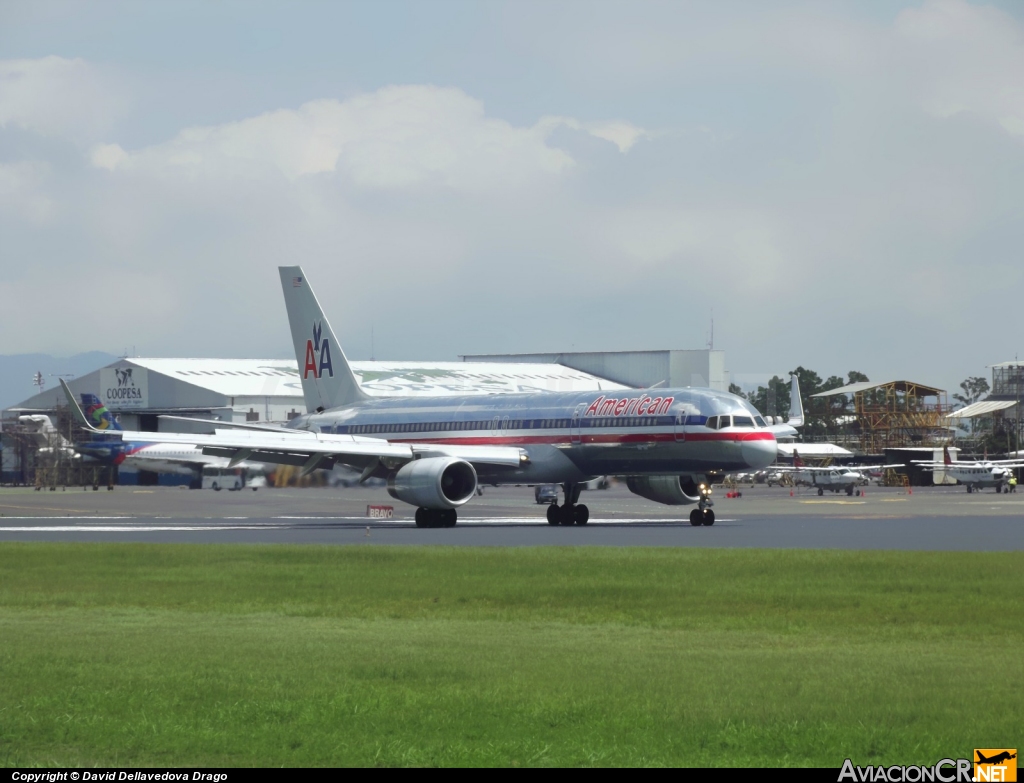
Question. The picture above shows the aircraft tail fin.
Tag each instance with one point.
(97, 414)
(796, 404)
(327, 378)
(798, 461)
(946, 459)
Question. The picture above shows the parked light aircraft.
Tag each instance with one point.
(986, 473)
(179, 458)
(434, 451)
(835, 477)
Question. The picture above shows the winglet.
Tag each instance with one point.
(76, 410)
(796, 404)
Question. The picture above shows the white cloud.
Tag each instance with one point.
(396, 138)
(54, 96)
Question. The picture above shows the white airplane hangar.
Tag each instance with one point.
(143, 392)
(634, 369)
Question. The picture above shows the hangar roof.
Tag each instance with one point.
(280, 377)
(982, 408)
(852, 388)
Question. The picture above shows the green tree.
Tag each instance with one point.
(773, 399)
(974, 389)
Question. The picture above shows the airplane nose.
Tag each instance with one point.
(759, 453)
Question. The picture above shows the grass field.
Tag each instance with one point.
(239, 655)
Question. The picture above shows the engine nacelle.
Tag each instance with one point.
(670, 490)
(433, 482)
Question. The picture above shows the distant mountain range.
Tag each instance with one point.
(17, 372)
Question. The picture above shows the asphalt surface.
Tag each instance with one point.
(938, 518)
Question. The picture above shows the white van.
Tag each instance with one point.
(222, 478)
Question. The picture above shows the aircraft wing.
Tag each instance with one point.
(309, 449)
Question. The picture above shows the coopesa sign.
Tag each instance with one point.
(124, 388)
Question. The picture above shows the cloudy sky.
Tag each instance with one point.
(841, 184)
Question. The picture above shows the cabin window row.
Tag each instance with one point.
(517, 424)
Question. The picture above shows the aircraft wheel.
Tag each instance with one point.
(970, 489)
(449, 518)
(858, 493)
(582, 514)
(709, 517)
(216, 487)
(696, 518)
(552, 514)
(999, 489)
(821, 491)
(567, 515)
(849, 492)
(426, 517)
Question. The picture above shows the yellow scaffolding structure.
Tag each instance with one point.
(897, 414)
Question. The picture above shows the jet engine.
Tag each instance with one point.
(433, 482)
(670, 490)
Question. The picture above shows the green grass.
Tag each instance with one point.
(238, 655)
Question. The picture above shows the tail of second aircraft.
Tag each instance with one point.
(798, 461)
(796, 404)
(97, 414)
(327, 378)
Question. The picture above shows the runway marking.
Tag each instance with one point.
(136, 529)
(352, 523)
(894, 500)
(836, 502)
(49, 508)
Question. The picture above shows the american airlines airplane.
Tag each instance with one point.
(987, 473)
(433, 451)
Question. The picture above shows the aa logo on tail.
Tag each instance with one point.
(318, 355)
(995, 764)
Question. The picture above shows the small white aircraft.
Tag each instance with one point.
(46, 437)
(835, 477)
(975, 475)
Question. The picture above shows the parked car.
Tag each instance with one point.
(546, 493)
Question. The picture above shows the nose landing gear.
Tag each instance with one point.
(703, 515)
(700, 517)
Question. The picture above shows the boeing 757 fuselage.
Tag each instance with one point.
(434, 451)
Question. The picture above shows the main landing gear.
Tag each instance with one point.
(572, 513)
(436, 517)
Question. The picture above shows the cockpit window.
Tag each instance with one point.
(712, 423)
(724, 421)
(760, 421)
(742, 421)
